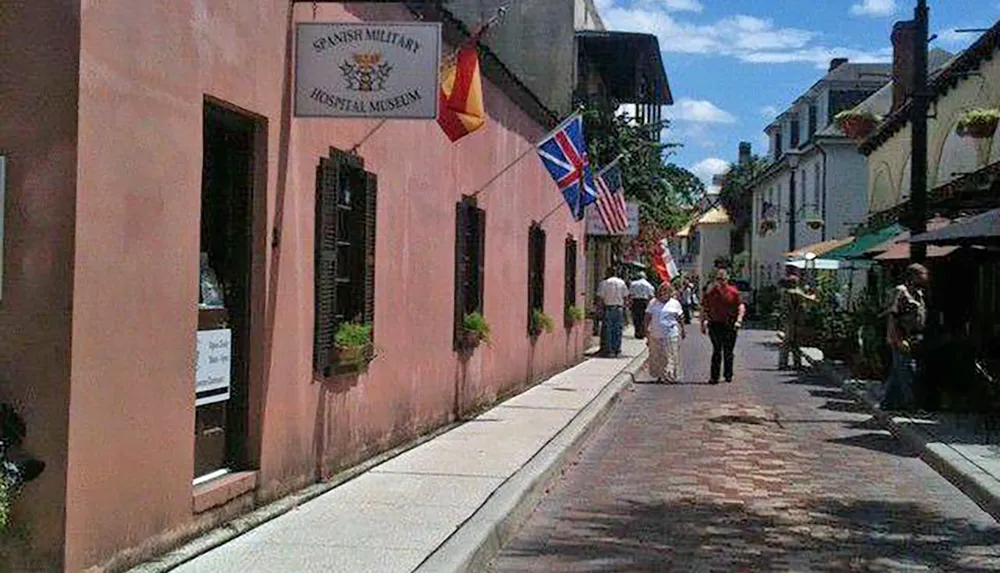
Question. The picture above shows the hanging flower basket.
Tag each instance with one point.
(978, 123)
(767, 225)
(815, 223)
(856, 124)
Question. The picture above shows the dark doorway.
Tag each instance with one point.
(221, 396)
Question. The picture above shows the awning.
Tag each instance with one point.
(901, 252)
(856, 248)
(818, 264)
(981, 229)
(935, 223)
(819, 249)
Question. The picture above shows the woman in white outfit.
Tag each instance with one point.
(665, 328)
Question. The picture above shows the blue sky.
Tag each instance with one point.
(733, 64)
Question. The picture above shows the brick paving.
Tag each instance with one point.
(775, 472)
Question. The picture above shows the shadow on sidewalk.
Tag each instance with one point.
(820, 535)
(879, 442)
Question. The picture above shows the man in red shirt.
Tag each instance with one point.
(721, 316)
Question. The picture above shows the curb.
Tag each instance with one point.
(970, 479)
(477, 541)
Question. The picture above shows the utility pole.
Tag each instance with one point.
(919, 108)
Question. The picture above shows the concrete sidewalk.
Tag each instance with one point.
(445, 505)
(955, 446)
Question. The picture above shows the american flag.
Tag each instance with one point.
(564, 154)
(611, 199)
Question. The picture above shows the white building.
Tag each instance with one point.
(815, 188)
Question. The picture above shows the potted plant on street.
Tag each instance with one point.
(353, 344)
(978, 123)
(574, 314)
(856, 124)
(475, 330)
(540, 322)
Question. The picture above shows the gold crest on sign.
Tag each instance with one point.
(366, 72)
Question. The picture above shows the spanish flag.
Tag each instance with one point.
(460, 109)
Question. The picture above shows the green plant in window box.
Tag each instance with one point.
(978, 123)
(353, 343)
(475, 330)
(540, 322)
(574, 314)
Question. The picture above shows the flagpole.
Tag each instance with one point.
(502, 171)
(552, 212)
(370, 133)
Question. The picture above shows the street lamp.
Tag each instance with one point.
(793, 163)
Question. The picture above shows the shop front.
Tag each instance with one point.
(198, 247)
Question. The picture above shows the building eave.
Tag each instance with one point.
(946, 79)
(621, 57)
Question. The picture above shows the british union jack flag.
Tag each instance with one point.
(564, 154)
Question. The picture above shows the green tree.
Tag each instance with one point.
(736, 194)
(665, 192)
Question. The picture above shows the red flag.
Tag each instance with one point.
(460, 109)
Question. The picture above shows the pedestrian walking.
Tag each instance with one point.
(688, 300)
(665, 325)
(721, 317)
(904, 333)
(793, 301)
(642, 292)
(614, 295)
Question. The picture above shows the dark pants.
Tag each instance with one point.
(639, 316)
(723, 337)
(611, 335)
(687, 313)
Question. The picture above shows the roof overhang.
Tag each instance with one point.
(630, 64)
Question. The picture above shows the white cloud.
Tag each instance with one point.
(709, 167)
(682, 5)
(746, 38)
(698, 111)
(769, 112)
(955, 40)
(874, 8)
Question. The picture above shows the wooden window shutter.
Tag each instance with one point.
(325, 263)
(570, 277)
(371, 212)
(480, 285)
(540, 258)
(461, 255)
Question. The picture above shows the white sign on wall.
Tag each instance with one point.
(213, 372)
(596, 227)
(367, 70)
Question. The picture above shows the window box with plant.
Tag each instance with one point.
(540, 322)
(856, 124)
(574, 315)
(978, 123)
(353, 346)
(475, 330)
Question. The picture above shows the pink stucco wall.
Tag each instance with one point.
(144, 70)
(39, 47)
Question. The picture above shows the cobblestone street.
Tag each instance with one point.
(775, 472)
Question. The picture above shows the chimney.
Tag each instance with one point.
(744, 152)
(903, 34)
(836, 63)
